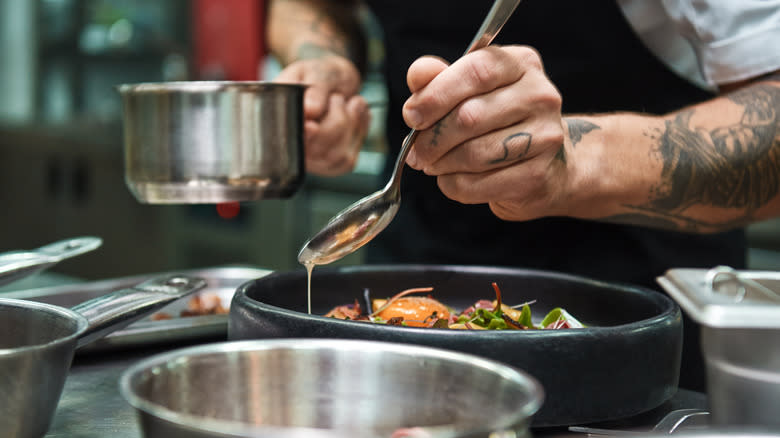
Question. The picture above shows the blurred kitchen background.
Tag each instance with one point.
(61, 162)
(61, 157)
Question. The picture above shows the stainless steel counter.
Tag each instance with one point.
(91, 405)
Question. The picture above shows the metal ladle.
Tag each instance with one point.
(356, 225)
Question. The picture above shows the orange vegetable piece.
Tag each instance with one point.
(416, 311)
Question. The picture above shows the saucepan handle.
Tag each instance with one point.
(116, 310)
(15, 265)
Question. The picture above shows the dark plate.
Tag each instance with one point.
(625, 362)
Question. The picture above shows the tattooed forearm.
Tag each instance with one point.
(310, 50)
(732, 170)
(578, 128)
(774, 76)
(328, 40)
(316, 28)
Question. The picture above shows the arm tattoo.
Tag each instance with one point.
(328, 42)
(735, 167)
(337, 30)
(310, 50)
(578, 128)
(774, 76)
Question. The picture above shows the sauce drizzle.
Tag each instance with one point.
(309, 268)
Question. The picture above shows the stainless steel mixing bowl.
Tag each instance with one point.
(345, 388)
(211, 142)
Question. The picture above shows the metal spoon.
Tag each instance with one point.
(356, 225)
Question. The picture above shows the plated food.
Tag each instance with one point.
(408, 309)
(627, 359)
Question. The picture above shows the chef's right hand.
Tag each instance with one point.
(336, 117)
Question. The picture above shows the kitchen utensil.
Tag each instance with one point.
(221, 283)
(39, 341)
(349, 388)
(678, 419)
(739, 317)
(626, 362)
(15, 265)
(721, 433)
(212, 142)
(706, 432)
(356, 225)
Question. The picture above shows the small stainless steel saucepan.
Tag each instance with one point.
(210, 142)
(38, 341)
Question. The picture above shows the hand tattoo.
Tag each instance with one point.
(513, 147)
(520, 141)
(561, 154)
(578, 128)
(437, 130)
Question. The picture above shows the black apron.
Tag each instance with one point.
(599, 64)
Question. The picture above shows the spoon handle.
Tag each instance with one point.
(496, 18)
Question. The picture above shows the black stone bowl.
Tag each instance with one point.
(625, 362)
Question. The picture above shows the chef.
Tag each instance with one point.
(610, 139)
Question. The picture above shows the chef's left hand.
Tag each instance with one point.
(336, 116)
(491, 131)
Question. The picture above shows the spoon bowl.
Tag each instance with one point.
(351, 229)
(356, 225)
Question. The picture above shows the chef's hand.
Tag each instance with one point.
(491, 131)
(336, 117)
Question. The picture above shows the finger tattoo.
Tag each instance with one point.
(437, 130)
(514, 147)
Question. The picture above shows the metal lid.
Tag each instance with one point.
(722, 297)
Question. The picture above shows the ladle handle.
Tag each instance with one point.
(116, 310)
(496, 18)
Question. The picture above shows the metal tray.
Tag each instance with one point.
(221, 281)
(739, 313)
(723, 297)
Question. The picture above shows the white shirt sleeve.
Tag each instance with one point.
(710, 42)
